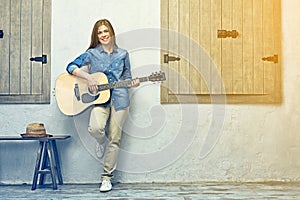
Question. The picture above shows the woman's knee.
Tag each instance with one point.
(97, 132)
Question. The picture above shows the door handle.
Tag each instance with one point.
(168, 58)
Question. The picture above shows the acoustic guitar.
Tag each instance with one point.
(73, 96)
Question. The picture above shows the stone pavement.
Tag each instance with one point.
(144, 191)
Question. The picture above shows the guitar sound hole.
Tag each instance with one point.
(87, 98)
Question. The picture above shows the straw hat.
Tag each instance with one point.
(35, 130)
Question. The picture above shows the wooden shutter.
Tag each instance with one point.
(238, 39)
(26, 27)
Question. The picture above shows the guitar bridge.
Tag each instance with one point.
(76, 92)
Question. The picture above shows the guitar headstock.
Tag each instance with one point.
(157, 76)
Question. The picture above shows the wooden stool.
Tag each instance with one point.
(47, 162)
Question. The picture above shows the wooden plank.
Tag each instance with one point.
(37, 46)
(230, 99)
(25, 44)
(174, 46)
(15, 46)
(268, 37)
(47, 50)
(164, 48)
(248, 47)
(205, 40)
(184, 30)
(4, 43)
(227, 52)
(195, 74)
(22, 99)
(258, 65)
(277, 95)
(237, 63)
(216, 53)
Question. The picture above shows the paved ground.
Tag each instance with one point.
(206, 191)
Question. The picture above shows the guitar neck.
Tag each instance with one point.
(124, 83)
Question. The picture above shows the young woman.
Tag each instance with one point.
(103, 55)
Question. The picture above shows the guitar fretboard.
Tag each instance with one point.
(124, 83)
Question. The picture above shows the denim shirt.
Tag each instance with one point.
(115, 65)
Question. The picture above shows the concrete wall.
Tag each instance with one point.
(161, 142)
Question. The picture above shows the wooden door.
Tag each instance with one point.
(238, 52)
(25, 51)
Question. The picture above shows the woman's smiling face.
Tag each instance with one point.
(104, 36)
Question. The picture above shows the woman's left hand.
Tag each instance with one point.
(135, 82)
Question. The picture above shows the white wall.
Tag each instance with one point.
(161, 142)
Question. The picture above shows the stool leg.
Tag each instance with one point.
(43, 166)
(37, 165)
(52, 168)
(57, 163)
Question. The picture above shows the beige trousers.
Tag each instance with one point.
(99, 118)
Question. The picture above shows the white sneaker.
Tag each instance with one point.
(105, 186)
(100, 148)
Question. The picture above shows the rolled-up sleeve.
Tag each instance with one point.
(83, 59)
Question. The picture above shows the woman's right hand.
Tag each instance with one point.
(93, 85)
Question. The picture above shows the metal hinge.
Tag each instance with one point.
(42, 59)
(226, 34)
(168, 58)
(1, 34)
(273, 58)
